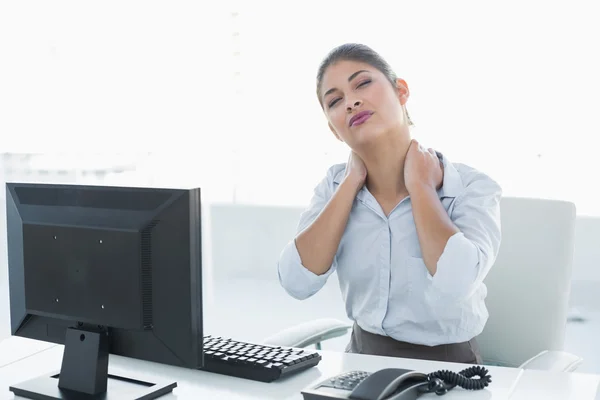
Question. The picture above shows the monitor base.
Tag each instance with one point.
(84, 374)
(118, 388)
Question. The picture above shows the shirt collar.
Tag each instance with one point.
(451, 187)
(453, 184)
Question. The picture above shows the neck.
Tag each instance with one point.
(384, 161)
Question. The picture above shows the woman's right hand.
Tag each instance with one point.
(318, 243)
(356, 171)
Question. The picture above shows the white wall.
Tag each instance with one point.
(587, 249)
(247, 239)
(4, 324)
(586, 265)
(486, 80)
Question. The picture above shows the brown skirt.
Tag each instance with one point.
(364, 342)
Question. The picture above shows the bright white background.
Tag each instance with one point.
(223, 92)
(222, 95)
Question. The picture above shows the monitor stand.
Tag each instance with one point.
(84, 374)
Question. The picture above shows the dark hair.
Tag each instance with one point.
(360, 53)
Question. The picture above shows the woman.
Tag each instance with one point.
(410, 234)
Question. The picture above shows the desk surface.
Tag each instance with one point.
(507, 383)
(12, 350)
(556, 385)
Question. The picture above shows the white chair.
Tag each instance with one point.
(528, 291)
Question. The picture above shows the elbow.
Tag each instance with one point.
(291, 285)
(458, 275)
(465, 287)
(457, 293)
(298, 282)
(298, 295)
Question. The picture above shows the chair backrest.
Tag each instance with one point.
(529, 285)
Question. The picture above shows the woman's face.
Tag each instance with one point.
(360, 103)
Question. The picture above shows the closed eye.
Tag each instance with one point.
(362, 84)
(333, 102)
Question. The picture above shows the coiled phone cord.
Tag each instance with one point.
(441, 382)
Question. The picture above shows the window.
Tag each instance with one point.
(510, 89)
(224, 96)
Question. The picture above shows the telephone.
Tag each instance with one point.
(395, 384)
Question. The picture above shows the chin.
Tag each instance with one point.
(366, 134)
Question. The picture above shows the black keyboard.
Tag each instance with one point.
(254, 361)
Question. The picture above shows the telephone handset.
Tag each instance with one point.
(395, 384)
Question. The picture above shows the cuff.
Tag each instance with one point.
(295, 278)
(457, 267)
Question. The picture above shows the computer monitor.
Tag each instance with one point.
(105, 270)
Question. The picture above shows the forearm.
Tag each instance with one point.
(433, 224)
(318, 243)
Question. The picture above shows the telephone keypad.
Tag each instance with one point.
(347, 381)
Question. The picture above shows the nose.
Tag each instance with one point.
(356, 104)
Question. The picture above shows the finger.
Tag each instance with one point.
(413, 145)
(433, 153)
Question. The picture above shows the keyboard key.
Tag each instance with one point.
(254, 361)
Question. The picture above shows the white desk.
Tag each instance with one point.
(556, 385)
(16, 348)
(507, 383)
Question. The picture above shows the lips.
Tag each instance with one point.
(360, 118)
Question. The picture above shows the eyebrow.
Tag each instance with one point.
(354, 75)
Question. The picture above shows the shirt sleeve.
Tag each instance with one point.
(295, 278)
(469, 254)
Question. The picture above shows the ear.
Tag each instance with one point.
(402, 89)
(334, 132)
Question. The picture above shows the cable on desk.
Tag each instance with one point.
(441, 382)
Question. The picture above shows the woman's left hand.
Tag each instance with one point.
(422, 168)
